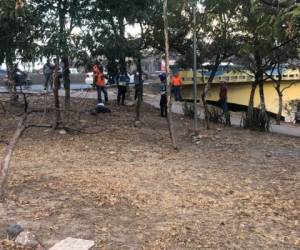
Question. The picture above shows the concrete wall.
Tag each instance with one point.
(239, 93)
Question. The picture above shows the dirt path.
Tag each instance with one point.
(126, 188)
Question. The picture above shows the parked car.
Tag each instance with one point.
(89, 78)
(2, 72)
(157, 73)
(74, 71)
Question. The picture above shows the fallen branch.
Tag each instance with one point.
(5, 163)
(68, 129)
(2, 106)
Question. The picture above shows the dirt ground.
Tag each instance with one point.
(126, 188)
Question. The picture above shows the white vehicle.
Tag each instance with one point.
(89, 79)
(131, 78)
(73, 71)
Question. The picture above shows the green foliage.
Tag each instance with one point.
(292, 107)
(18, 31)
(59, 18)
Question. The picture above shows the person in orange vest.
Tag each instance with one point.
(177, 81)
(96, 69)
(99, 81)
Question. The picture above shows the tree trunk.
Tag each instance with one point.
(169, 100)
(67, 83)
(257, 119)
(259, 78)
(139, 90)
(280, 94)
(195, 69)
(12, 88)
(262, 94)
(5, 163)
(280, 105)
(251, 106)
(207, 89)
(64, 51)
(57, 117)
(263, 121)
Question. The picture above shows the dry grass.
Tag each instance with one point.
(126, 188)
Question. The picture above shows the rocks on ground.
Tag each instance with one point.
(73, 244)
(20, 239)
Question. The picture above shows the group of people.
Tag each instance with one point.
(48, 71)
(176, 83)
(119, 77)
(122, 79)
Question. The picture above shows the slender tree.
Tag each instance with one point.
(169, 99)
(264, 33)
(18, 31)
(220, 38)
(59, 19)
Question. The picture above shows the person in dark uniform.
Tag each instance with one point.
(163, 95)
(123, 80)
(137, 86)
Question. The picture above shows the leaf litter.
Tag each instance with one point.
(125, 187)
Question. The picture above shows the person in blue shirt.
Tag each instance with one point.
(123, 80)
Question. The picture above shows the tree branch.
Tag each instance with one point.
(287, 87)
(5, 163)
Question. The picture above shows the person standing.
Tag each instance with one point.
(137, 85)
(96, 69)
(123, 80)
(223, 97)
(48, 71)
(100, 84)
(177, 82)
(163, 95)
(112, 71)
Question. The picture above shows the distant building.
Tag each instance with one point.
(151, 64)
(157, 63)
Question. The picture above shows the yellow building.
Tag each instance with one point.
(239, 88)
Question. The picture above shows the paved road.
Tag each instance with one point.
(177, 108)
(39, 87)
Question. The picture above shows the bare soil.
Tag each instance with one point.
(126, 188)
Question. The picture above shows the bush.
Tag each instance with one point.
(188, 109)
(217, 115)
(256, 120)
(293, 110)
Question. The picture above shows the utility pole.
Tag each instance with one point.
(195, 68)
